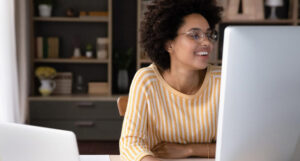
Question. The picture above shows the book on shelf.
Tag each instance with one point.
(47, 47)
(39, 47)
(93, 14)
(53, 46)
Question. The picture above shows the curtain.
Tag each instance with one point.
(14, 56)
(22, 21)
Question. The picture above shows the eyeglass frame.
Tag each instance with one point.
(203, 34)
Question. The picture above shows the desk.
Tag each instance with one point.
(117, 158)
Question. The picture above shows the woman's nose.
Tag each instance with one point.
(205, 41)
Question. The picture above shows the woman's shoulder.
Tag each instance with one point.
(145, 73)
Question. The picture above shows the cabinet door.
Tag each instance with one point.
(74, 110)
(89, 120)
(86, 129)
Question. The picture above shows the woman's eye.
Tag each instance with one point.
(209, 34)
(195, 36)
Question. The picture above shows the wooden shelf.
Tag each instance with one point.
(216, 62)
(74, 97)
(66, 60)
(72, 19)
(279, 21)
(145, 61)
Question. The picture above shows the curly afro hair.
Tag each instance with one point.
(165, 17)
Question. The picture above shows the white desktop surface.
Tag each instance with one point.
(94, 158)
(117, 158)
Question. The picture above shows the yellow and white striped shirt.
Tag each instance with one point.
(157, 113)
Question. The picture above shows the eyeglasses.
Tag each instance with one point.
(197, 35)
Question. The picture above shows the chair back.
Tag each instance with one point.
(122, 104)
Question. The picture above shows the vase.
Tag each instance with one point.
(47, 87)
(45, 10)
(273, 4)
(122, 80)
(77, 53)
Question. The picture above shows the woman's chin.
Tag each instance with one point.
(201, 65)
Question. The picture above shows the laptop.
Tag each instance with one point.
(29, 143)
(259, 117)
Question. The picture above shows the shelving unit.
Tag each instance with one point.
(61, 26)
(292, 20)
(145, 61)
(90, 117)
(75, 98)
(72, 19)
(68, 60)
(282, 21)
(141, 55)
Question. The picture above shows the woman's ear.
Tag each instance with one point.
(168, 46)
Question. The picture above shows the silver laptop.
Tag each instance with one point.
(29, 143)
(259, 118)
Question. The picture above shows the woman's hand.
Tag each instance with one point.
(149, 158)
(171, 150)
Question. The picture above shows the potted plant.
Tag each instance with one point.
(123, 62)
(45, 7)
(89, 51)
(46, 75)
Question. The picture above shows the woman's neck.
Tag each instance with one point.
(183, 80)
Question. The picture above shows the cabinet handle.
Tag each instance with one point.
(86, 104)
(84, 123)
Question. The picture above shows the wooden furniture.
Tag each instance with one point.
(293, 19)
(290, 20)
(122, 104)
(90, 120)
(74, 32)
(252, 10)
(141, 56)
(91, 117)
(117, 158)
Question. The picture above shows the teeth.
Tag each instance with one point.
(202, 53)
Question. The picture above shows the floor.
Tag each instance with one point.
(98, 147)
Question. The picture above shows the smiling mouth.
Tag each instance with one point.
(202, 53)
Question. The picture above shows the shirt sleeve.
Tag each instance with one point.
(134, 140)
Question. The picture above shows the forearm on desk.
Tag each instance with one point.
(174, 150)
(202, 150)
(149, 158)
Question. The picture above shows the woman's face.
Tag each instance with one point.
(191, 48)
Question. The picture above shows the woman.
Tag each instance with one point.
(173, 103)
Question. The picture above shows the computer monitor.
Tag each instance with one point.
(29, 143)
(259, 116)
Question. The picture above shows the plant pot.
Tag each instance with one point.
(89, 54)
(47, 87)
(122, 80)
(45, 10)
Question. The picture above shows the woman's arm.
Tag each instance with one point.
(203, 150)
(134, 143)
(150, 158)
(172, 150)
